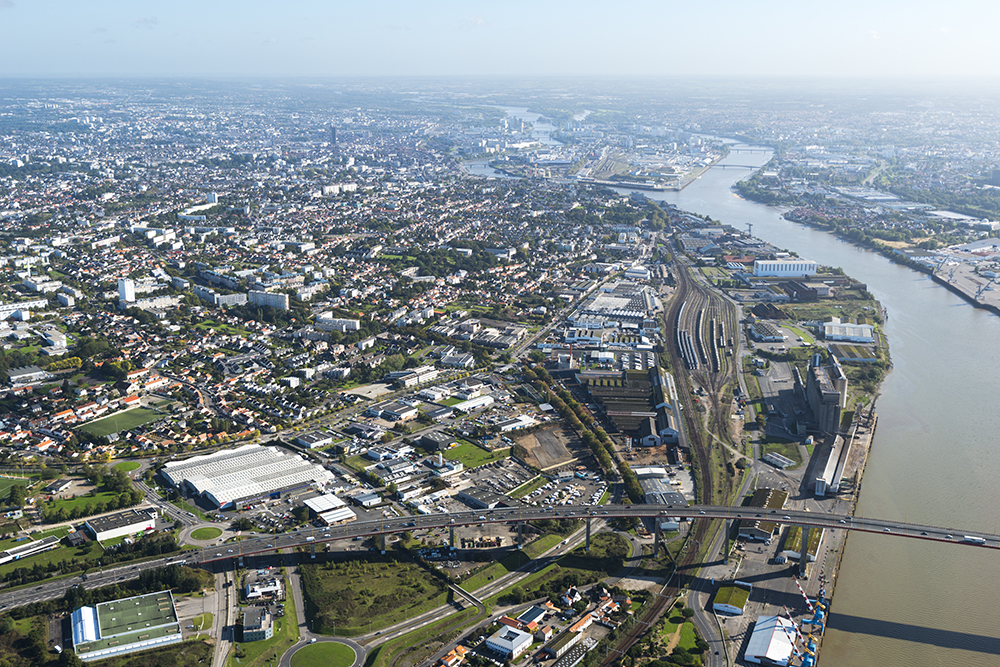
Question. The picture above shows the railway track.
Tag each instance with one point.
(696, 314)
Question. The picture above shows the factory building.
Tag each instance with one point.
(784, 268)
(251, 472)
(771, 642)
(121, 627)
(826, 391)
(120, 524)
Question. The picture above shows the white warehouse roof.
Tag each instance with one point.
(770, 641)
(245, 472)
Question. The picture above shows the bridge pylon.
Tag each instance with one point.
(588, 534)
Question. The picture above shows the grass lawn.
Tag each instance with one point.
(128, 466)
(82, 501)
(202, 621)
(324, 654)
(473, 457)
(511, 562)
(188, 507)
(123, 421)
(221, 327)
(670, 626)
(86, 556)
(286, 634)
(357, 463)
(448, 402)
(358, 594)
(788, 449)
(206, 533)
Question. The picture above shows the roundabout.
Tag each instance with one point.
(324, 652)
(205, 533)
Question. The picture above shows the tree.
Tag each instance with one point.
(687, 613)
(17, 495)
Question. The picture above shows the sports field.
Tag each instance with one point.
(123, 421)
(7, 482)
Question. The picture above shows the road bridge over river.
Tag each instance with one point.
(310, 538)
(362, 529)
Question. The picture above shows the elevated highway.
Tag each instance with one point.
(314, 537)
(362, 529)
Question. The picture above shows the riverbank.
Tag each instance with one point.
(857, 462)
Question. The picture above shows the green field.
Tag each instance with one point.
(82, 501)
(356, 596)
(324, 654)
(206, 533)
(7, 482)
(122, 421)
(787, 449)
(472, 456)
(448, 402)
(202, 621)
(128, 466)
(511, 562)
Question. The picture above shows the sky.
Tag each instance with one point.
(470, 38)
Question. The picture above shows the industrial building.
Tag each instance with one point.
(29, 548)
(785, 268)
(771, 642)
(257, 624)
(731, 599)
(509, 642)
(330, 509)
(125, 626)
(826, 391)
(846, 331)
(479, 498)
(763, 528)
(119, 524)
(251, 472)
(792, 547)
(315, 439)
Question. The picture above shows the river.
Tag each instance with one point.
(902, 602)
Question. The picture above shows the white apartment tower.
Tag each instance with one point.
(126, 290)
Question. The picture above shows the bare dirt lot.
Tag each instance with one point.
(551, 447)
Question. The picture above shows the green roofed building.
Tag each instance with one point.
(767, 503)
(793, 543)
(125, 626)
(731, 599)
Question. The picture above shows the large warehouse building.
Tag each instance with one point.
(251, 472)
(771, 642)
(125, 626)
(119, 524)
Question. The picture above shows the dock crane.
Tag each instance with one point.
(985, 288)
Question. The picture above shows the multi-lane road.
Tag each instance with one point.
(314, 537)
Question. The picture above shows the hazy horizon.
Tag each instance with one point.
(769, 39)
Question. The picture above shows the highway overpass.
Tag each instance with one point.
(360, 529)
